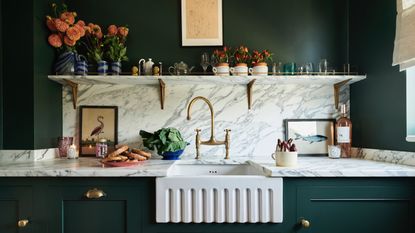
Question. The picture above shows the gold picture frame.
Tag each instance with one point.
(202, 23)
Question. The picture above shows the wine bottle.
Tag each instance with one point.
(344, 133)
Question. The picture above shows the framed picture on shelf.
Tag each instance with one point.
(202, 23)
(311, 136)
(95, 123)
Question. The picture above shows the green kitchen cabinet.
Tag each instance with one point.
(15, 206)
(356, 205)
(97, 205)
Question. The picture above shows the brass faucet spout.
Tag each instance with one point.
(212, 114)
(211, 141)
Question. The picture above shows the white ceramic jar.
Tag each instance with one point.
(221, 69)
(239, 69)
(260, 69)
(285, 159)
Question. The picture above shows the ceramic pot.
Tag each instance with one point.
(102, 68)
(285, 159)
(116, 68)
(65, 64)
(260, 69)
(221, 69)
(81, 66)
(172, 155)
(239, 69)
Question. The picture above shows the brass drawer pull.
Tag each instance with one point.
(95, 194)
(22, 223)
(305, 223)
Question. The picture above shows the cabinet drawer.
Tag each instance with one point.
(358, 209)
(95, 208)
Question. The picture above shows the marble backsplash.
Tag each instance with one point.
(254, 132)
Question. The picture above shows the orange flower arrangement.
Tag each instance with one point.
(222, 56)
(65, 32)
(115, 42)
(242, 55)
(94, 42)
(259, 57)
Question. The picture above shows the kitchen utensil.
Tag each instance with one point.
(180, 68)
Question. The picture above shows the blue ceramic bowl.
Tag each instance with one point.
(172, 155)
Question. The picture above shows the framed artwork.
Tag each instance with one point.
(97, 122)
(202, 23)
(311, 136)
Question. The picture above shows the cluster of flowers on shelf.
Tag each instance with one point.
(241, 55)
(69, 34)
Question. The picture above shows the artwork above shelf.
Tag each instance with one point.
(337, 81)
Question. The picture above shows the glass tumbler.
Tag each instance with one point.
(63, 145)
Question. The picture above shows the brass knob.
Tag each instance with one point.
(95, 194)
(305, 223)
(22, 223)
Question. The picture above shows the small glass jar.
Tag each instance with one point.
(101, 148)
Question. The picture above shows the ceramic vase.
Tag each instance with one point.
(285, 159)
(221, 69)
(259, 69)
(81, 66)
(239, 69)
(116, 68)
(102, 68)
(65, 64)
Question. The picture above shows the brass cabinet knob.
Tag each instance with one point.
(95, 194)
(305, 223)
(22, 223)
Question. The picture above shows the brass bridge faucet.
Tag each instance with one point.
(212, 141)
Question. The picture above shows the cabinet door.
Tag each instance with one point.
(74, 211)
(358, 209)
(15, 205)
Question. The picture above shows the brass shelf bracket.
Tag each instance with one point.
(337, 87)
(249, 90)
(162, 87)
(74, 87)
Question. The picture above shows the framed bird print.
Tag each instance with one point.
(96, 123)
(311, 136)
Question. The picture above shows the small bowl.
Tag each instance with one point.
(172, 155)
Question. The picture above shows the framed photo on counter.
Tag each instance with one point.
(311, 136)
(95, 123)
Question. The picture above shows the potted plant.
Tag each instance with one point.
(168, 142)
(95, 47)
(65, 34)
(116, 49)
(259, 62)
(221, 58)
(241, 57)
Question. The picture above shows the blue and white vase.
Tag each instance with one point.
(116, 68)
(81, 66)
(102, 68)
(65, 64)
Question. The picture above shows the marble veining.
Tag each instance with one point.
(27, 155)
(254, 132)
(307, 167)
(326, 167)
(389, 156)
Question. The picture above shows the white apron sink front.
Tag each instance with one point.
(229, 193)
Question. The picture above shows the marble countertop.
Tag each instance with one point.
(307, 167)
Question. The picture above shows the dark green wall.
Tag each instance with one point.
(378, 108)
(294, 30)
(1, 76)
(17, 74)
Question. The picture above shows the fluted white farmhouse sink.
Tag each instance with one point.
(219, 193)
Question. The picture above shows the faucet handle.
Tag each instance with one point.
(198, 130)
(228, 130)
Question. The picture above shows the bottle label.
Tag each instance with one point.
(343, 134)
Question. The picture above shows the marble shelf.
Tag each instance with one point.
(337, 81)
